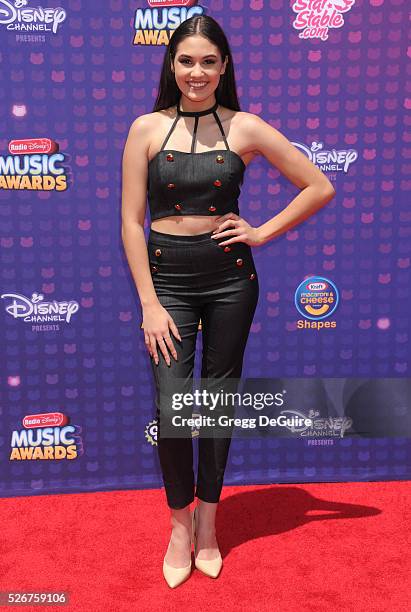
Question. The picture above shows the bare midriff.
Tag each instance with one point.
(186, 225)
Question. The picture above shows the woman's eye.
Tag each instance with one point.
(206, 61)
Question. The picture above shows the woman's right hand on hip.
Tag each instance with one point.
(157, 323)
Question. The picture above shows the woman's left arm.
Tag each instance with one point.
(316, 189)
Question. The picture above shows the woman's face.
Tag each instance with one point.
(197, 60)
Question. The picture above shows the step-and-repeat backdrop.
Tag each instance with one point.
(331, 332)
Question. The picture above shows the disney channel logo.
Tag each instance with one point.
(34, 309)
(18, 16)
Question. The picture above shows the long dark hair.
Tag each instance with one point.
(169, 92)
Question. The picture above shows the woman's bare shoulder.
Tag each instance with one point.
(242, 124)
(244, 117)
(147, 121)
(240, 119)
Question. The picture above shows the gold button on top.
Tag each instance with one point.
(170, 157)
(212, 208)
(158, 252)
(227, 249)
(219, 159)
(171, 185)
(217, 183)
(252, 276)
(178, 206)
(239, 262)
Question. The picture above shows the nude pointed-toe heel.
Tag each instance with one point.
(209, 567)
(174, 576)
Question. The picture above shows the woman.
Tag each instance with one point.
(197, 264)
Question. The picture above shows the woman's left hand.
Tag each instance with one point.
(236, 229)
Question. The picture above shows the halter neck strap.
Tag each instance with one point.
(207, 111)
(196, 115)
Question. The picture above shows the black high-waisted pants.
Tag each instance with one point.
(195, 278)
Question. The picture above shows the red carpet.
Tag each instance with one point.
(305, 547)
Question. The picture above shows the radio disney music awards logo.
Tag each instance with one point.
(43, 315)
(316, 299)
(33, 164)
(328, 160)
(18, 16)
(47, 436)
(154, 25)
(315, 17)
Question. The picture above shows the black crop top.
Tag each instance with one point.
(183, 183)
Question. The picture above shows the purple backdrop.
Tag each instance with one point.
(77, 407)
